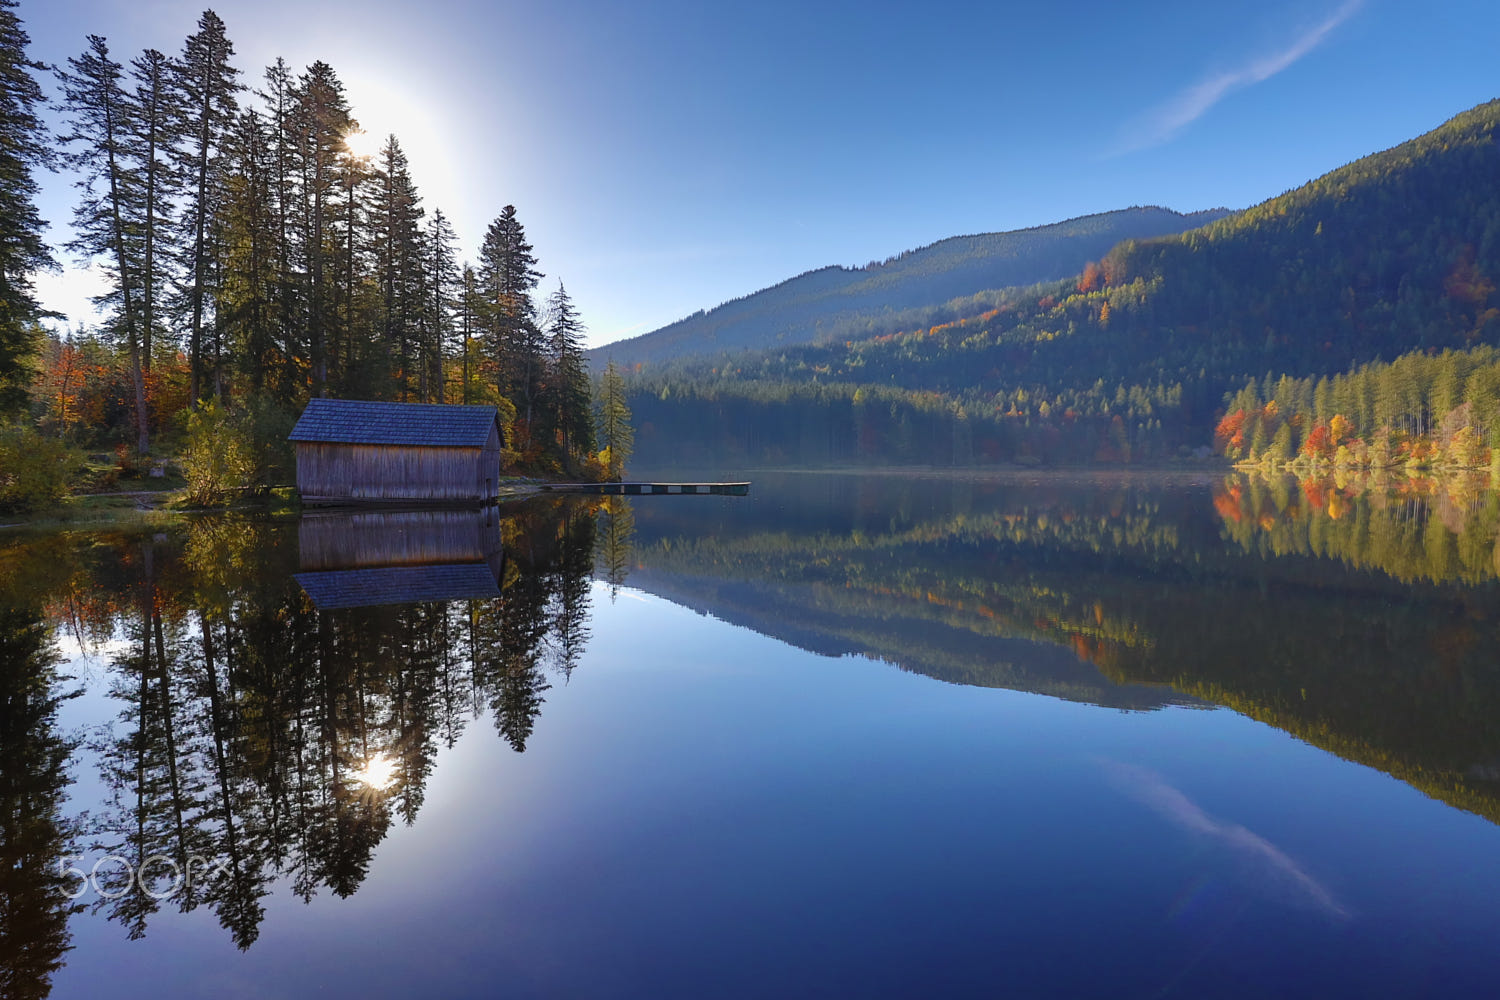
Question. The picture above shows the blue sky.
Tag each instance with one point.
(667, 156)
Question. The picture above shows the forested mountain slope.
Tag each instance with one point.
(1397, 252)
(839, 302)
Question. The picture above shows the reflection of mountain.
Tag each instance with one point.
(954, 644)
(923, 594)
(1033, 588)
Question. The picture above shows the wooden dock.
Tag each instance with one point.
(649, 489)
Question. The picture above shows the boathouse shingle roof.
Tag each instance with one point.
(351, 421)
(367, 588)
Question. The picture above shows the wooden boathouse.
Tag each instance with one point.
(356, 452)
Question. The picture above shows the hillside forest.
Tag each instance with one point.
(1388, 262)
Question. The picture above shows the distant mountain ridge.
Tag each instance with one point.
(839, 302)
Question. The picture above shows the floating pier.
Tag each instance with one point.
(647, 489)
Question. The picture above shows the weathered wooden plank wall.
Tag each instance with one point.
(392, 585)
(390, 472)
(398, 538)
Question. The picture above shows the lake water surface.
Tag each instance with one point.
(854, 735)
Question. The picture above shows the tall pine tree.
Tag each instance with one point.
(396, 224)
(362, 368)
(108, 216)
(155, 121)
(290, 294)
(23, 148)
(615, 432)
(246, 304)
(208, 85)
(321, 120)
(567, 386)
(437, 317)
(507, 274)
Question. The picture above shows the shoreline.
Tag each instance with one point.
(126, 508)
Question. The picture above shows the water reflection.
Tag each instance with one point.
(1413, 528)
(278, 694)
(1269, 867)
(265, 729)
(374, 558)
(34, 831)
(1119, 592)
(616, 541)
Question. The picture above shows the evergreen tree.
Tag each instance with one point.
(615, 432)
(208, 85)
(23, 148)
(472, 313)
(364, 367)
(320, 120)
(108, 216)
(247, 300)
(396, 226)
(568, 393)
(437, 316)
(156, 121)
(507, 274)
(280, 99)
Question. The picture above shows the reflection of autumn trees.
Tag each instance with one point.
(247, 716)
(1410, 527)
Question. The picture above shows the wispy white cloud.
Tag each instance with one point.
(1150, 789)
(1165, 121)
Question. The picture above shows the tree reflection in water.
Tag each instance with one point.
(260, 736)
(281, 693)
(34, 833)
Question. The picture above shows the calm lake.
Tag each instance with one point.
(1158, 735)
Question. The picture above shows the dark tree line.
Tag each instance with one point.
(735, 423)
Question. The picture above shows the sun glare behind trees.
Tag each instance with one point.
(256, 246)
(362, 145)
